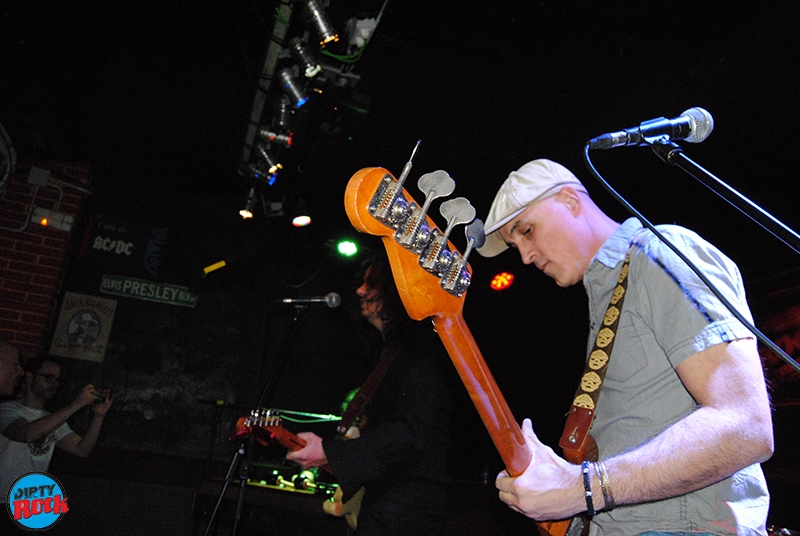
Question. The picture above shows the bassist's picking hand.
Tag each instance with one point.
(312, 455)
(550, 488)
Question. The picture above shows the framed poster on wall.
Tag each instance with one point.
(83, 327)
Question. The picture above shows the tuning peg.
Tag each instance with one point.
(476, 236)
(436, 257)
(415, 232)
(457, 278)
(388, 204)
(457, 211)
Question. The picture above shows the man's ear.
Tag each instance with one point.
(569, 196)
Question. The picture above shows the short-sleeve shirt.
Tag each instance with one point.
(669, 314)
(18, 459)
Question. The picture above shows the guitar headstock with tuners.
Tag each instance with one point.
(431, 274)
(266, 426)
(432, 278)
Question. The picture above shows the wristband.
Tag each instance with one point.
(587, 487)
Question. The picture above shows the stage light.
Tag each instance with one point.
(290, 87)
(316, 17)
(347, 248)
(502, 281)
(300, 214)
(284, 138)
(298, 50)
(255, 172)
(301, 221)
(247, 211)
(270, 162)
(283, 113)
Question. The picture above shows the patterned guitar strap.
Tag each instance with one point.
(581, 414)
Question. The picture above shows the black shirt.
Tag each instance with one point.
(401, 456)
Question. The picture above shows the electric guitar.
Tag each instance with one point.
(432, 278)
(267, 427)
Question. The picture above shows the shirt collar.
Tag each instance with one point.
(613, 251)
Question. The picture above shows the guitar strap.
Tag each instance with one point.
(576, 430)
(365, 392)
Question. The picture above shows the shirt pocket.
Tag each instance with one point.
(629, 353)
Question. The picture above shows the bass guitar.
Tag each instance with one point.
(432, 278)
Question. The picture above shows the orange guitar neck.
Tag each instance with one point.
(489, 401)
(483, 391)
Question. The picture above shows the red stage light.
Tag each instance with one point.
(502, 281)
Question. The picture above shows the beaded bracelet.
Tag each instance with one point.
(587, 486)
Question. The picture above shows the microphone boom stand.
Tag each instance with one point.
(241, 458)
(672, 154)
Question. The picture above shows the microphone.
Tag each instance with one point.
(331, 300)
(694, 125)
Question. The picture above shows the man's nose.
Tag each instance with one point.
(528, 255)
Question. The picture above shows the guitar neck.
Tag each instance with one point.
(483, 391)
(490, 403)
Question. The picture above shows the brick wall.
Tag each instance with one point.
(33, 258)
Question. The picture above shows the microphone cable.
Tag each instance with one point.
(749, 325)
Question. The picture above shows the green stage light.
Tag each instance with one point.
(348, 248)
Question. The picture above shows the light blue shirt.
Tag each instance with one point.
(669, 314)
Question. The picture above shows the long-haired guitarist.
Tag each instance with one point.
(400, 455)
(682, 419)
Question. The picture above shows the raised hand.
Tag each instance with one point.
(102, 402)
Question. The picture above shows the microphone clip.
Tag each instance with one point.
(666, 149)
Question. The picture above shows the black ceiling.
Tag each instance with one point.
(157, 95)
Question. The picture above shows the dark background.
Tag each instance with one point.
(157, 96)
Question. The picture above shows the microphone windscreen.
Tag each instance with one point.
(333, 299)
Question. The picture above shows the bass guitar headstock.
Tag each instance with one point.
(432, 276)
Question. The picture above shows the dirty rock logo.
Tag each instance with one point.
(36, 501)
